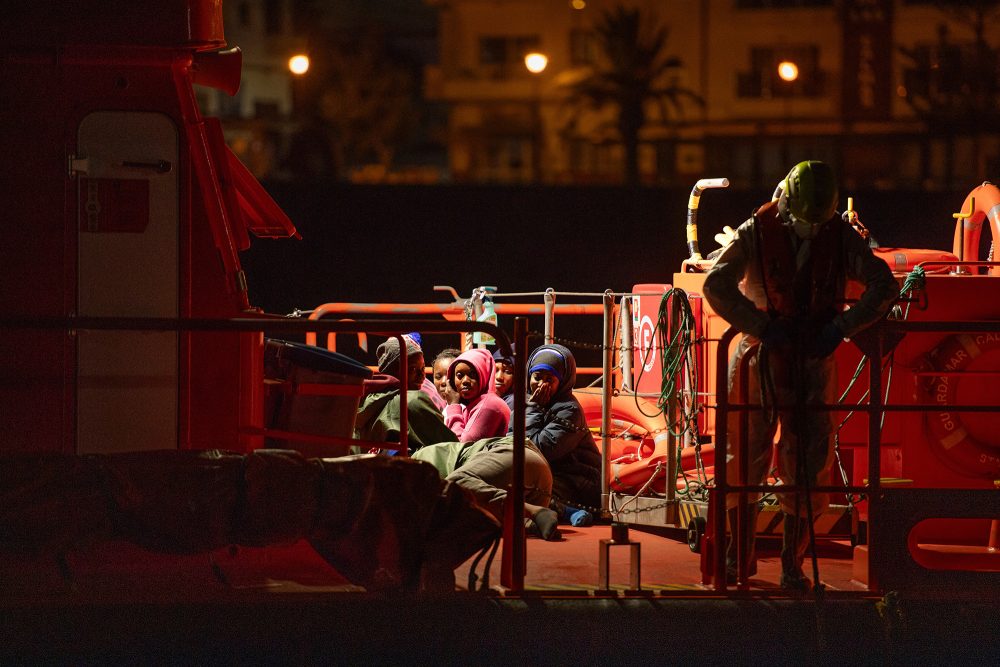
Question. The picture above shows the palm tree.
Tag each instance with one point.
(361, 105)
(635, 74)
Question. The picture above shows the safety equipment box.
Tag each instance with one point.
(311, 391)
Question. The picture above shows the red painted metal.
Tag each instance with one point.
(129, 58)
(135, 58)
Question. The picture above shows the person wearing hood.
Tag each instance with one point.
(781, 283)
(474, 410)
(555, 422)
(378, 415)
(503, 380)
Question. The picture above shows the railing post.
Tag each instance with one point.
(874, 452)
(671, 416)
(549, 298)
(722, 443)
(404, 406)
(625, 358)
(608, 339)
(514, 557)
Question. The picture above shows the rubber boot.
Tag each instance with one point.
(794, 540)
(749, 540)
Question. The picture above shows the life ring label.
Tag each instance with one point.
(959, 449)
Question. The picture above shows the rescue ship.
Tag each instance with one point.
(174, 477)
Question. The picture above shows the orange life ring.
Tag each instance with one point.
(982, 204)
(635, 456)
(952, 441)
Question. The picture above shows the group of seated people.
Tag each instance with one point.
(461, 423)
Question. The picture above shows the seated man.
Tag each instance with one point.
(378, 415)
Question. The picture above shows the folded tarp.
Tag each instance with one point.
(378, 520)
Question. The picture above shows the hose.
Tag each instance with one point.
(692, 213)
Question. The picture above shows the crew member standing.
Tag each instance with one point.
(795, 255)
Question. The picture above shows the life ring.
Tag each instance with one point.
(642, 443)
(628, 475)
(951, 440)
(982, 204)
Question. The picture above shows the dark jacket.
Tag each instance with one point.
(560, 432)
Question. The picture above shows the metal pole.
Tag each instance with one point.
(515, 495)
(550, 315)
(722, 443)
(874, 452)
(476, 302)
(608, 338)
(672, 409)
(625, 358)
(404, 406)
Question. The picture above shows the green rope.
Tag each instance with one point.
(677, 360)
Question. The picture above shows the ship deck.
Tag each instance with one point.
(571, 566)
(284, 605)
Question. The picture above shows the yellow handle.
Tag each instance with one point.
(972, 209)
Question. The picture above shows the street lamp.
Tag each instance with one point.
(788, 71)
(298, 64)
(536, 63)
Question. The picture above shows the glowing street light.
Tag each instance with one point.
(298, 64)
(536, 62)
(788, 71)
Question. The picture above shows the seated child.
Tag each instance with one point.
(554, 421)
(474, 410)
(426, 385)
(378, 415)
(440, 370)
(503, 380)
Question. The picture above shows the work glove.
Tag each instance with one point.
(726, 236)
(777, 333)
(830, 336)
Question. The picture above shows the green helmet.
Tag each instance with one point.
(809, 193)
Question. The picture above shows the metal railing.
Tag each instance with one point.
(892, 512)
(514, 536)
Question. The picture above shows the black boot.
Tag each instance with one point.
(749, 535)
(794, 540)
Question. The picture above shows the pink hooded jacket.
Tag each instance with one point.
(485, 416)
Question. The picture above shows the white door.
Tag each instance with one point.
(127, 205)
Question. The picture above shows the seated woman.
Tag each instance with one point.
(474, 410)
(555, 422)
(378, 415)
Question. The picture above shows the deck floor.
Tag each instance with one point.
(286, 606)
(666, 564)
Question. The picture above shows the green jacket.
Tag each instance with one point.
(378, 419)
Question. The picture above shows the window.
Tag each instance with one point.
(762, 80)
(781, 4)
(244, 14)
(273, 19)
(504, 55)
(582, 47)
(492, 51)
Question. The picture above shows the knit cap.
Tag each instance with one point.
(388, 353)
